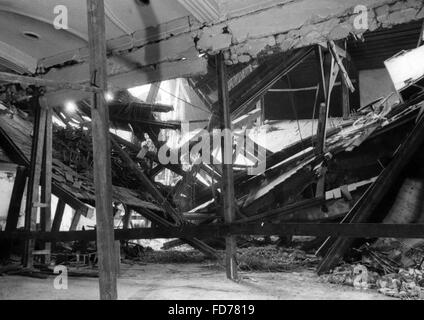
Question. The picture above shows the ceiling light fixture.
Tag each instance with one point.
(70, 106)
(109, 96)
(31, 35)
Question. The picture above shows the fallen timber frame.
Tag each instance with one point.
(172, 213)
(352, 230)
(260, 81)
(57, 85)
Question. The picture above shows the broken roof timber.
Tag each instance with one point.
(57, 85)
(123, 80)
(367, 205)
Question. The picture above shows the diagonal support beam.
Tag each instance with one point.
(151, 188)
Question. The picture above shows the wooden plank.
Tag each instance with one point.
(101, 151)
(323, 83)
(350, 231)
(346, 92)
(366, 206)
(38, 82)
(345, 101)
(75, 220)
(34, 178)
(58, 215)
(46, 180)
(322, 115)
(16, 199)
(227, 182)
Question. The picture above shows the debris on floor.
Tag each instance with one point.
(404, 284)
(275, 259)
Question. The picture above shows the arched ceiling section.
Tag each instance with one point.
(50, 41)
(36, 16)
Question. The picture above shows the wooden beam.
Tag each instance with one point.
(101, 152)
(173, 125)
(46, 179)
(354, 230)
(34, 178)
(126, 79)
(346, 91)
(75, 220)
(227, 181)
(263, 114)
(16, 199)
(345, 101)
(321, 131)
(58, 215)
(320, 58)
(38, 82)
(421, 39)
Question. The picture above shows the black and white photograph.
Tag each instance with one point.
(211, 158)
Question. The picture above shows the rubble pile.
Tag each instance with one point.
(275, 259)
(73, 147)
(404, 284)
(386, 266)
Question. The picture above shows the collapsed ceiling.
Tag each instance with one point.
(167, 39)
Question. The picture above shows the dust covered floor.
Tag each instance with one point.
(193, 281)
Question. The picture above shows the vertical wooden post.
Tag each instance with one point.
(320, 57)
(322, 123)
(15, 203)
(325, 108)
(227, 168)
(320, 148)
(34, 180)
(263, 117)
(322, 114)
(346, 90)
(101, 151)
(345, 101)
(46, 179)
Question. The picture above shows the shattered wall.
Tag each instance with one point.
(299, 23)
